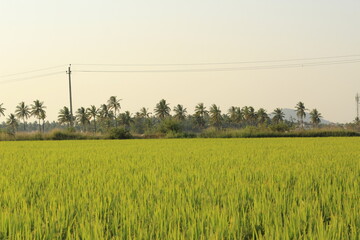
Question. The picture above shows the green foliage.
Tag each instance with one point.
(170, 125)
(280, 127)
(180, 135)
(254, 132)
(119, 133)
(171, 130)
(162, 109)
(71, 129)
(64, 135)
(181, 189)
(37, 136)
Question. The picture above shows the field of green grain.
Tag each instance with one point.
(303, 188)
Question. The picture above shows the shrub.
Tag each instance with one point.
(280, 127)
(119, 133)
(170, 125)
(63, 135)
(37, 136)
(180, 135)
(210, 132)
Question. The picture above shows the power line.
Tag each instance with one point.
(219, 63)
(332, 63)
(32, 71)
(336, 60)
(195, 64)
(28, 78)
(261, 67)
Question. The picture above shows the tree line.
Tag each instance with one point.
(106, 116)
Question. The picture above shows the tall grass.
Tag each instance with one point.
(303, 188)
(120, 133)
(253, 132)
(55, 134)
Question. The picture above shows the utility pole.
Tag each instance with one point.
(357, 99)
(71, 112)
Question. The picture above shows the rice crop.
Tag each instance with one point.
(284, 188)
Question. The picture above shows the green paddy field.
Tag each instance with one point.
(283, 188)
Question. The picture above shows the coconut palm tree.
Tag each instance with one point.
(232, 114)
(43, 117)
(278, 115)
(82, 117)
(315, 117)
(106, 115)
(2, 109)
(64, 116)
(144, 118)
(105, 111)
(262, 116)
(238, 115)
(144, 112)
(126, 119)
(22, 112)
(36, 110)
(215, 116)
(200, 114)
(93, 112)
(114, 104)
(200, 110)
(300, 112)
(180, 112)
(235, 115)
(162, 109)
(137, 115)
(12, 123)
(249, 114)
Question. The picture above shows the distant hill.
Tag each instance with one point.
(290, 115)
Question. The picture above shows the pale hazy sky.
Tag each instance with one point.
(44, 33)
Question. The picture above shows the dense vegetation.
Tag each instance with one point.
(102, 122)
(181, 189)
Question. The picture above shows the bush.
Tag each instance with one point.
(280, 127)
(63, 135)
(170, 125)
(37, 137)
(180, 135)
(253, 132)
(119, 133)
(210, 132)
(70, 129)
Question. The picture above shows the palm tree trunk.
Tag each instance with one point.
(302, 122)
(39, 126)
(95, 124)
(115, 119)
(24, 125)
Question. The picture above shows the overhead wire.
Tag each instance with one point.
(32, 71)
(218, 63)
(299, 62)
(259, 67)
(28, 78)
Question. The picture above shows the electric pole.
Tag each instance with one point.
(71, 112)
(357, 99)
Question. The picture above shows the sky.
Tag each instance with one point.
(41, 34)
